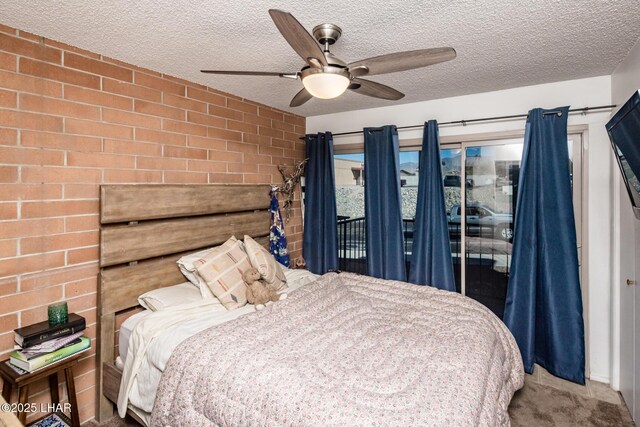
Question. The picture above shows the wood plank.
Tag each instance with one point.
(124, 203)
(126, 243)
(121, 286)
(105, 353)
(111, 384)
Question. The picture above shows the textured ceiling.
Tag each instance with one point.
(500, 43)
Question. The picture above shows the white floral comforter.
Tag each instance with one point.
(347, 350)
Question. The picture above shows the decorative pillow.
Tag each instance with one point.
(222, 270)
(159, 299)
(265, 263)
(188, 269)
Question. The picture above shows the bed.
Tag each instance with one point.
(340, 350)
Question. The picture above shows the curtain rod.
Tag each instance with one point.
(583, 110)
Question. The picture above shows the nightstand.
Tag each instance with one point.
(12, 378)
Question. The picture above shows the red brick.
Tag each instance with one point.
(8, 323)
(30, 156)
(171, 177)
(229, 135)
(22, 120)
(271, 151)
(225, 156)
(81, 191)
(205, 119)
(225, 178)
(58, 242)
(188, 153)
(276, 124)
(23, 300)
(114, 176)
(58, 208)
(257, 159)
(160, 84)
(8, 61)
(131, 66)
(8, 136)
(95, 97)
(59, 141)
(206, 166)
(227, 113)
(160, 163)
(7, 29)
(54, 72)
(257, 120)
(256, 139)
(242, 147)
(267, 131)
(242, 106)
(27, 264)
(149, 135)
(52, 175)
(209, 97)
(26, 48)
(30, 36)
(184, 103)
(27, 228)
(84, 255)
(29, 192)
(287, 145)
(81, 288)
(82, 223)
(97, 67)
(30, 84)
(153, 109)
(210, 143)
(131, 90)
(59, 276)
(131, 119)
(183, 82)
(58, 107)
(100, 160)
(85, 127)
(70, 48)
(131, 147)
(8, 99)
(242, 126)
(8, 174)
(8, 286)
(8, 248)
(242, 168)
(272, 114)
(182, 127)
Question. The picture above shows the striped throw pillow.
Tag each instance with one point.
(222, 270)
(265, 263)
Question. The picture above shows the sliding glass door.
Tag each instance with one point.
(480, 181)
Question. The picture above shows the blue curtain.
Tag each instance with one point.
(431, 262)
(383, 204)
(277, 238)
(544, 304)
(320, 242)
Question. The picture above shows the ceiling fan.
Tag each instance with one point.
(326, 76)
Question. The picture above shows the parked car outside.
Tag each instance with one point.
(482, 221)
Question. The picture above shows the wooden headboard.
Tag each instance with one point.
(144, 230)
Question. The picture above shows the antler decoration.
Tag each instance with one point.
(289, 182)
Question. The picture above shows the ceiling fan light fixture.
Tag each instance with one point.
(326, 83)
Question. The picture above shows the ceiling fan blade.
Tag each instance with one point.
(300, 98)
(401, 61)
(298, 38)
(377, 90)
(252, 73)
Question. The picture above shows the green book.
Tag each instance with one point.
(31, 365)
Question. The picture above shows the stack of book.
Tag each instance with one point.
(43, 344)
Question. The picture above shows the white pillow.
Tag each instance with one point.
(159, 299)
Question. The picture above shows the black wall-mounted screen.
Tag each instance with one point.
(624, 133)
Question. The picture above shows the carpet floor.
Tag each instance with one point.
(535, 405)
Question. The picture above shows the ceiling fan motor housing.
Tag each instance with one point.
(327, 33)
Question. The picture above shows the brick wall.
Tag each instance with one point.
(71, 120)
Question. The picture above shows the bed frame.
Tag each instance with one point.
(144, 230)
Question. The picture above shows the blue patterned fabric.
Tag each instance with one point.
(277, 239)
(431, 262)
(383, 204)
(544, 302)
